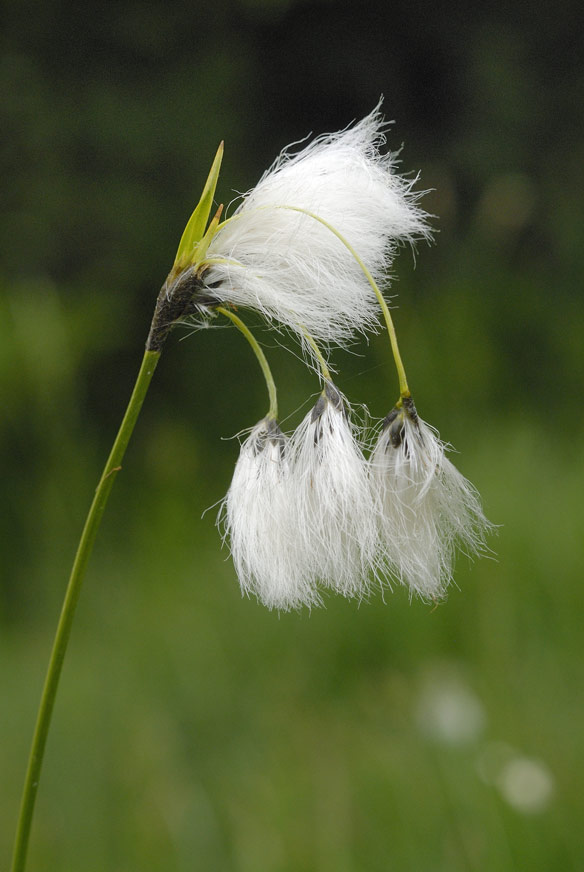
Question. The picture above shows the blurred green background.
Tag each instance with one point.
(194, 729)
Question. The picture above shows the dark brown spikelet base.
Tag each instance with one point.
(179, 297)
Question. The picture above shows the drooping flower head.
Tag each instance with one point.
(257, 518)
(426, 508)
(334, 517)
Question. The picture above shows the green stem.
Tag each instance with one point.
(262, 360)
(326, 374)
(112, 467)
(403, 382)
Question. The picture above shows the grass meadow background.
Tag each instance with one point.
(193, 728)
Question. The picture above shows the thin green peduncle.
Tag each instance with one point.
(112, 467)
(261, 357)
(403, 382)
(326, 374)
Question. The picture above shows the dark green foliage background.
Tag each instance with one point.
(195, 729)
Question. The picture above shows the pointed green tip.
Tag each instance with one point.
(195, 229)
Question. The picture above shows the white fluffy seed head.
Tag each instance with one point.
(426, 509)
(257, 519)
(334, 516)
(292, 268)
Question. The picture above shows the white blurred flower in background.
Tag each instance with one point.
(447, 709)
(525, 783)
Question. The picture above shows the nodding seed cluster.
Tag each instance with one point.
(307, 248)
(309, 512)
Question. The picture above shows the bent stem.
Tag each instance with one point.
(326, 374)
(261, 358)
(403, 382)
(111, 469)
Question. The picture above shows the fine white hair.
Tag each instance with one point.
(299, 512)
(292, 268)
(257, 519)
(306, 248)
(426, 508)
(334, 515)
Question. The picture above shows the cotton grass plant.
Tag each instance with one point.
(308, 512)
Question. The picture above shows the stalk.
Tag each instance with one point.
(401, 372)
(85, 547)
(403, 382)
(261, 357)
(326, 374)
